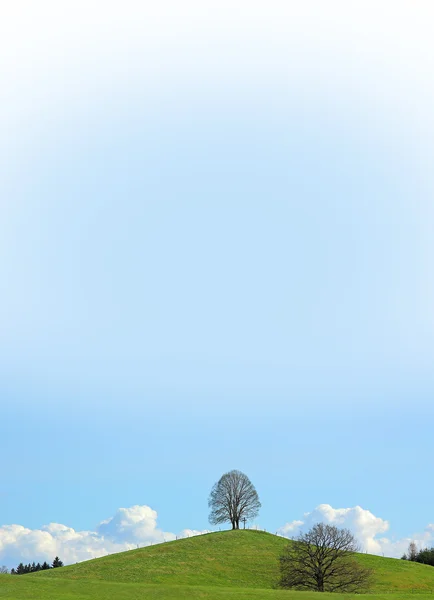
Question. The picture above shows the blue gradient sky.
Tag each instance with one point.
(216, 252)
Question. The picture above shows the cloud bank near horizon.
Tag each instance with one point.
(127, 529)
(368, 529)
(137, 526)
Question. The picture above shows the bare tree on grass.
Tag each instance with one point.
(412, 551)
(232, 499)
(323, 560)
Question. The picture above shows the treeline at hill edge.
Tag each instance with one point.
(32, 568)
(424, 556)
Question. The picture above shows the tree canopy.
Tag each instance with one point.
(232, 499)
(323, 560)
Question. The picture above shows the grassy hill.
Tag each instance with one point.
(228, 558)
(229, 564)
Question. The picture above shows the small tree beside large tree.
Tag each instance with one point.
(323, 560)
(232, 499)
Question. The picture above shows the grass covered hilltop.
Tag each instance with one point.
(224, 565)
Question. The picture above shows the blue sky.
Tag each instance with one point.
(216, 247)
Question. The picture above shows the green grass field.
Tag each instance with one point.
(229, 564)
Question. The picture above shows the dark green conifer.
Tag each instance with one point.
(57, 563)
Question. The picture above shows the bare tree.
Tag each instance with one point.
(323, 560)
(233, 498)
(4, 570)
(412, 551)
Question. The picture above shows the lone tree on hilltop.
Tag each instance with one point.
(323, 560)
(233, 498)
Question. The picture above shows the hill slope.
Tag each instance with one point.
(227, 558)
(242, 559)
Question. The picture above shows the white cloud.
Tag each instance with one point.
(127, 529)
(137, 524)
(392, 547)
(366, 527)
(185, 533)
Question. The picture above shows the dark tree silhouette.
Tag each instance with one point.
(32, 568)
(426, 556)
(323, 560)
(57, 563)
(232, 499)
